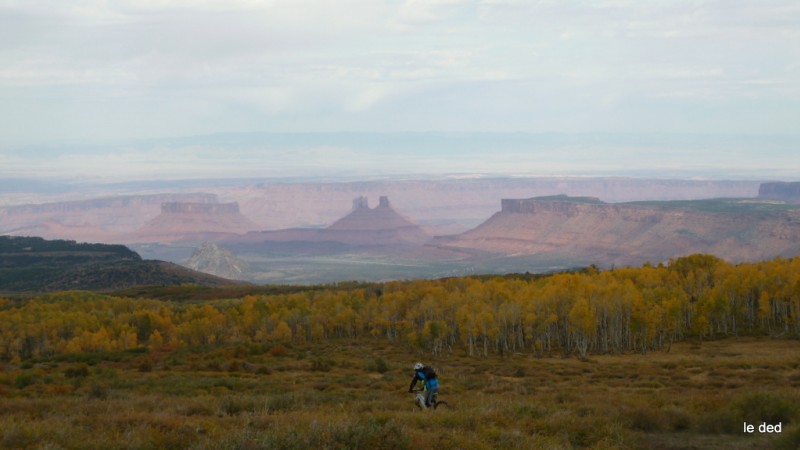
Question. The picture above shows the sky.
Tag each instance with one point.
(107, 85)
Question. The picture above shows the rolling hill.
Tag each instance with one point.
(33, 264)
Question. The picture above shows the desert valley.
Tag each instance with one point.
(328, 232)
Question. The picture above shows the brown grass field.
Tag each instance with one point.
(352, 394)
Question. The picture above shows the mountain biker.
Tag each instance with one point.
(427, 375)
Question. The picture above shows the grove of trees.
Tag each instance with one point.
(621, 310)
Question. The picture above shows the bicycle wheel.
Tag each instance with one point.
(441, 404)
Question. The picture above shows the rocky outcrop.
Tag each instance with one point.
(192, 222)
(379, 226)
(380, 218)
(215, 260)
(586, 230)
(789, 192)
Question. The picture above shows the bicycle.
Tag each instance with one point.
(419, 400)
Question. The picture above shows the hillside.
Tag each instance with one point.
(32, 264)
(586, 230)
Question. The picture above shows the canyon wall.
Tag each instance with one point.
(780, 191)
(588, 231)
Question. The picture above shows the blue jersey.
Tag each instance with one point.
(428, 376)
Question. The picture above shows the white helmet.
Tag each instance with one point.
(418, 366)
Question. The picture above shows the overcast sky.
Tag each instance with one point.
(100, 71)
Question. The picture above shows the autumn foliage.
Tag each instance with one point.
(617, 311)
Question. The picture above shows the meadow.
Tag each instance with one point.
(674, 356)
(352, 393)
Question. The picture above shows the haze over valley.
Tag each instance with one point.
(395, 228)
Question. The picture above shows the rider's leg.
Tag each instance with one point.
(420, 401)
(429, 394)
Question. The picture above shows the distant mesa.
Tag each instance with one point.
(777, 190)
(586, 230)
(100, 219)
(191, 221)
(200, 208)
(380, 226)
(444, 205)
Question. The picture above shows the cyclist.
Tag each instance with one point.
(427, 375)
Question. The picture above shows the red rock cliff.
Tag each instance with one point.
(590, 231)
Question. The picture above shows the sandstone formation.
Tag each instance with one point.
(589, 231)
(215, 260)
(454, 205)
(189, 221)
(439, 206)
(379, 226)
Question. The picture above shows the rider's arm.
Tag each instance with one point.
(414, 382)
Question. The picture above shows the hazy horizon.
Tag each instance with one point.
(102, 91)
(355, 156)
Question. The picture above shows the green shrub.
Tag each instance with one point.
(378, 365)
(321, 365)
(81, 371)
(678, 419)
(196, 409)
(371, 433)
(282, 402)
(97, 392)
(232, 406)
(789, 440)
(146, 366)
(15, 437)
(26, 379)
(723, 420)
(646, 419)
(278, 350)
(287, 439)
(765, 407)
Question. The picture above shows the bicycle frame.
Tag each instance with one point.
(419, 400)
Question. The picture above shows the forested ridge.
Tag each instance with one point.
(33, 264)
(615, 311)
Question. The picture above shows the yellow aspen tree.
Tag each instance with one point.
(582, 324)
(282, 332)
(155, 341)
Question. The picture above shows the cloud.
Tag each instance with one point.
(96, 69)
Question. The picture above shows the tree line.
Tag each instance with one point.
(613, 311)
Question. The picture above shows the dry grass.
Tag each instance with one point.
(352, 395)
